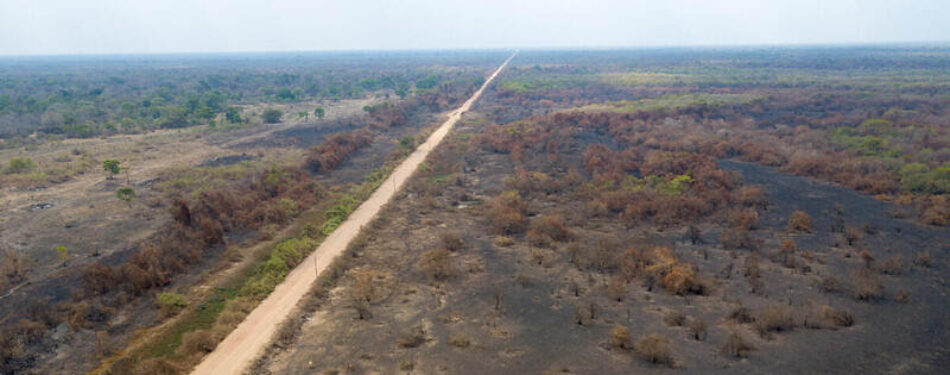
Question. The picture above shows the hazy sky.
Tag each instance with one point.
(116, 26)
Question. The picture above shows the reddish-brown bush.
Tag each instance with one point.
(799, 222)
(332, 152)
(507, 213)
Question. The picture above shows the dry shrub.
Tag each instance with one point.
(867, 285)
(158, 366)
(746, 219)
(460, 341)
(837, 316)
(452, 241)
(902, 296)
(616, 288)
(774, 318)
(923, 259)
(363, 292)
(893, 266)
(681, 280)
(620, 338)
(201, 341)
(552, 227)
(736, 346)
(413, 338)
(503, 241)
(852, 235)
(584, 312)
(753, 273)
(12, 268)
(437, 264)
(332, 152)
(654, 349)
(738, 238)
(697, 329)
(507, 213)
(751, 196)
(674, 318)
(799, 222)
(830, 284)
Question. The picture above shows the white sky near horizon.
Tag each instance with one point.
(44, 27)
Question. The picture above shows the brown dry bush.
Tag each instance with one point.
(923, 259)
(551, 226)
(332, 152)
(830, 284)
(837, 316)
(616, 288)
(697, 329)
(736, 346)
(460, 341)
(363, 292)
(437, 264)
(751, 196)
(893, 266)
(739, 238)
(852, 235)
(507, 213)
(452, 241)
(746, 219)
(201, 341)
(620, 338)
(902, 296)
(799, 222)
(654, 349)
(774, 318)
(674, 318)
(12, 268)
(867, 285)
(158, 366)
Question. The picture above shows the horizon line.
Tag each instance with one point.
(943, 43)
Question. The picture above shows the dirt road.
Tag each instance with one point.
(248, 340)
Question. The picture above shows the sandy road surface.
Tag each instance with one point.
(248, 340)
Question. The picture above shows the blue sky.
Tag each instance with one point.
(156, 26)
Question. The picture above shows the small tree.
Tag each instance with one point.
(272, 116)
(126, 194)
(112, 167)
(319, 112)
(302, 115)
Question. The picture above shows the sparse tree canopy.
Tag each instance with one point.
(319, 112)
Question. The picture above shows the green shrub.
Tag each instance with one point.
(171, 303)
(19, 165)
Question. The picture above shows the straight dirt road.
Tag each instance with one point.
(248, 340)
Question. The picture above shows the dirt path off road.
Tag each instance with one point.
(249, 339)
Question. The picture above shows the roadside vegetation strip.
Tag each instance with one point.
(252, 335)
